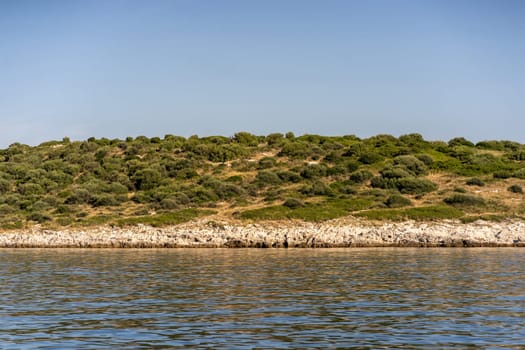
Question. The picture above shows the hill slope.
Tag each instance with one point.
(174, 179)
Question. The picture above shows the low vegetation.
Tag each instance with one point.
(168, 180)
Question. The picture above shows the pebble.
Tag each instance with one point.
(345, 232)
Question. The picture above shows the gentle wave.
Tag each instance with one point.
(278, 298)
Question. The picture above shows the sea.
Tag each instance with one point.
(262, 298)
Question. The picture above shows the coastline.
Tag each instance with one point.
(344, 232)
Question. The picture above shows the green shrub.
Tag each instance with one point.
(412, 164)
(289, 176)
(333, 157)
(360, 176)
(313, 171)
(426, 159)
(293, 203)
(146, 179)
(105, 200)
(395, 172)
(405, 185)
(336, 170)
(383, 182)
(267, 163)
(491, 145)
(351, 166)
(30, 188)
(515, 189)
(38, 217)
(296, 150)
(6, 209)
(502, 174)
(520, 173)
(169, 203)
(317, 188)
(517, 155)
(397, 201)
(245, 138)
(266, 177)
(370, 157)
(5, 186)
(467, 200)
(79, 196)
(415, 186)
(274, 139)
(475, 182)
(460, 141)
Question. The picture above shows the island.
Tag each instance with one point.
(278, 190)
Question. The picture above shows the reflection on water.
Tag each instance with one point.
(244, 298)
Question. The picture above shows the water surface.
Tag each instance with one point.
(267, 298)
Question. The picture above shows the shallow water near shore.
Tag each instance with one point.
(261, 298)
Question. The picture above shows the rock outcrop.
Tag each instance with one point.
(347, 232)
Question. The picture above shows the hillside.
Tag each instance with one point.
(169, 180)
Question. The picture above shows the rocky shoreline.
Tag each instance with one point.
(347, 232)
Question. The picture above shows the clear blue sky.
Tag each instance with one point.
(213, 67)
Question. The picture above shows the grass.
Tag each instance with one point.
(484, 217)
(428, 213)
(165, 219)
(326, 210)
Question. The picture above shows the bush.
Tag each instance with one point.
(426, 159)
(105, 200)
(5, 186)
(267, 178)
(515, 189)
(370, 158)
(289, 176)
(146, 179)
(360, 176)
(267, 163)
(30, 188)
(313, 171)
(405, 185)
(460, 141)
(395, 172)
(502, 174)
(412, 164)
(297, 150)
(415, 186)
(79, 196)
(318, 188)
(169, 203)
(245, 138)
(520, 174)
(383, 182)
(397, 201)
(475, 182)
(518, 155)
(38, 217)
(352, 166)
(460, 199)
(274, 139)
(293, 203)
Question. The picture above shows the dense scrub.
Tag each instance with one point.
(279, 176)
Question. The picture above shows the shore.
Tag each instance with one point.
(346, 232)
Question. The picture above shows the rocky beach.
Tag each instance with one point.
(346, 232)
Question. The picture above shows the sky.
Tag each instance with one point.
(115, 68)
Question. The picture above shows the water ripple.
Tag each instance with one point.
(237, 299)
